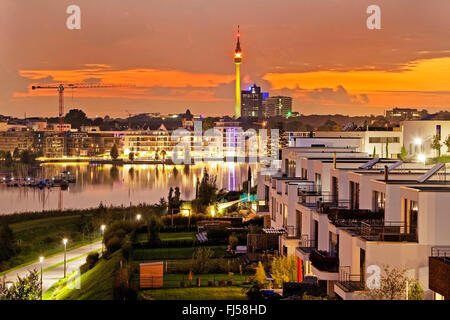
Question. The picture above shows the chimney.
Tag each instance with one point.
(386, 173)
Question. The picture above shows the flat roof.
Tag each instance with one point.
(431, 188)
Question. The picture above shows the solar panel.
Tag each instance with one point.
(430, 172)
(370, 163)
(395, 165)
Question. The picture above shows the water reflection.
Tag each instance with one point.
(119, 185)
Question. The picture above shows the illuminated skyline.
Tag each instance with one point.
(177, 53)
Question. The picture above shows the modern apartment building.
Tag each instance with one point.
(10, 140)
(340, 212)
(277, 106)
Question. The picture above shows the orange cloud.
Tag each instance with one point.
(180, 85)
(423, 82)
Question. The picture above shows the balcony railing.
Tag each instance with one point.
(383, 231)
(322, 201)
(441, 252)
(353, 217)
(291, 232)
(307, 245)
(350, 282)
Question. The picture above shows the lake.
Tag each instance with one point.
(119, 185)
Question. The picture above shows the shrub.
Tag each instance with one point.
(200, 259)
(91, 260)
(233, 241)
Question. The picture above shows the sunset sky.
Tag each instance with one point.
(178, 54)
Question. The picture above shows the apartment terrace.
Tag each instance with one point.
(349, 282)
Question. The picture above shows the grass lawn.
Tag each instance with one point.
(177, 236)
(174, 253)
(43, 237)
(167, 236)
(172, 280)
(96, 284)
(203, 293)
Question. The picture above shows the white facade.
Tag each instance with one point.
(418, 136)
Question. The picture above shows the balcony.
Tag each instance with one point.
(321, 201)
(353, 217)
(382, 231)
(306, 246)
(349, 282)
(292, 232)
(324, 262)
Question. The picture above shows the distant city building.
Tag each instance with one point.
(10, 140)
(252, 102)
(56, 127)
(187, 121)
(401, 114)
(277, 106)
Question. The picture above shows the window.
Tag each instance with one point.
(384, 140)
(378, 201)
(354, 195)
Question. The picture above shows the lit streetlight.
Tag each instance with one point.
(422, 158)
(102, 227)
(138, 217)
(41, 260)
(65, 249)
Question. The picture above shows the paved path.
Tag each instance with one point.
(53, 275)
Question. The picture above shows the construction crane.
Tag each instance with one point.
(60, 87)
(129, 119)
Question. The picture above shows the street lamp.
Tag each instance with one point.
(138, 217)
(41, 260)
(65, 248)
(422, 158)
(102, 227)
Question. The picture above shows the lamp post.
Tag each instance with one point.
(41, 260)
(138, 217)
(102, 227)
(65, 249)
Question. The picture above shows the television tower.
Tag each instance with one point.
(237, 61)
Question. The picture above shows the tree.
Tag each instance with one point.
(415, 291)
(77, 118)
(387, 147)
(447, 143)
(7, 249)
(253, 292)
(392, 286)
(170, 200)
(233, 241)
(16, 153)
(374, 152)
(260, 274)
(8, 159)
(436, 145)
(403, 153)
(26, 288)
(153, 226)
(114, 153)
(207, 191)
(284, 269)
(200, 259)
